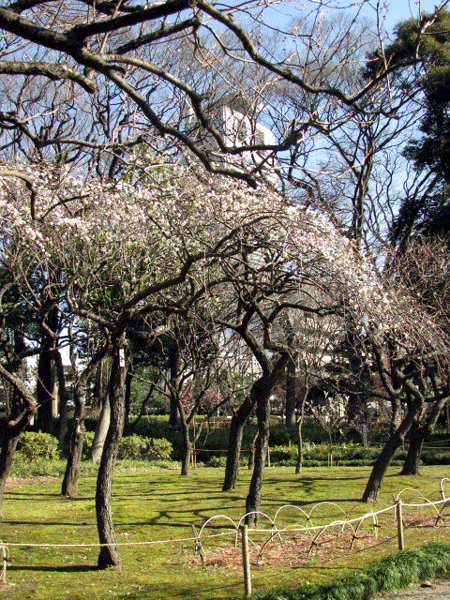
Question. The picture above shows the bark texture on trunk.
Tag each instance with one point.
(186, 449)
(71, 476)
(63, 398)
(101, 430)
(395, 416)
(174, 366)
(46, 382)
(412, 460)
(22, 410)
(300, 418)
(373, 485)
(70, 482)
(97, 393)
(128, 382)
(238, 421)
(291, 380)
(261, 392)
(109, 551)
(45, 391)
(418, 434)
(252, 451)
(253, 502)
(7, 453)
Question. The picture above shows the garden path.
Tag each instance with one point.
(439, 590)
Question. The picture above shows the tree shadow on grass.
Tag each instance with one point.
(15, 496)
(53, 569)
(68, 523)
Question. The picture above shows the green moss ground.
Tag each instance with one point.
(155, 505)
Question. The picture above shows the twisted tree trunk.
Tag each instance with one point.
(70, 482)
(186, 450)
(235, 443)
(109, 551)
(291, 380)
(63, 398)
(101, 429)
(394, 442)
(418, 434)
(260, 393)
(24, 410)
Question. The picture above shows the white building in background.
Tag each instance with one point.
(235, 118)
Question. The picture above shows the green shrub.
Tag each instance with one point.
(283, 456)
(36, 444)
(141, 448)
(87, 443)
(159, 449)
(217, 461)
(132, 447)
(431, 457)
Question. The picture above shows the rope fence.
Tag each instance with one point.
(316, 531)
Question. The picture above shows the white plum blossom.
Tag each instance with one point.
(140, 231)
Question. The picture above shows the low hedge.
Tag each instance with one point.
(283, 446)
(135, 447)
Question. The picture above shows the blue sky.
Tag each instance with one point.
(400, 10)
(394, 11)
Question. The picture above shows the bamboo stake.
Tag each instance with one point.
(398, 511)
(246, 561)
(5, 559)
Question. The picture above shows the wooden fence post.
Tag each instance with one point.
(398, 511)
(246, 561)
(5, 559)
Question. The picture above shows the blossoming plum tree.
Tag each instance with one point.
(174, 240)
(122, 250)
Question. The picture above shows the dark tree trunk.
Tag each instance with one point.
(63, 398)
(260, 392)
(97, 393)
(186, 450)
(174, 365)
(300, 418)
(45, 391)
(46, 382)
(128, 381)
(418, 435)
(412, 460)
(252, 451)
(291, 380)
(131, 427)
(8, 449)
(186, 456)
(71, 476)
(109, 551)
(395, 416)
(235, 443)
(394, 442)
(70, 482)
(101, 430)
(22, 410)
(253, 502)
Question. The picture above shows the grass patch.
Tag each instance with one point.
(153, 505)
